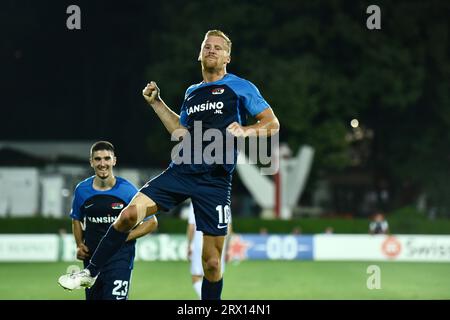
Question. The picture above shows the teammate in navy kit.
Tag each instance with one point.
(218, 107)
(97, 202)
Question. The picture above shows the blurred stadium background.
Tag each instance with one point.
(372, 106)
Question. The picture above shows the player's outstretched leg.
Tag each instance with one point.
(211, 259)
(140, 207)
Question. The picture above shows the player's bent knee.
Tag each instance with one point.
(128, 217)
(141, 211)
(145, 206)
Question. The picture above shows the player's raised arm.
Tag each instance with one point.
(170, 119)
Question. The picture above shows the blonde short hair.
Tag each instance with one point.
(219, 33)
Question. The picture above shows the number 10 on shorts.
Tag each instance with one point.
(224, 214)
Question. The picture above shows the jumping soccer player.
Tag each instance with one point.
(218, 105)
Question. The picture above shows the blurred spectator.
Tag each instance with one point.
(297, 230)
(379, 225)
(329, 230)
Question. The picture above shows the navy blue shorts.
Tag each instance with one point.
(113, 284)
(210, 194)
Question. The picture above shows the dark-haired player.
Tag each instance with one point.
(97, 203)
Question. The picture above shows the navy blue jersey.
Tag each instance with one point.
(98, 210)
(217, 105)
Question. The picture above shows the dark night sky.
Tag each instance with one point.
(60, 84)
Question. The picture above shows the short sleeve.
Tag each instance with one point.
(77, 202)
(252, 98)
(130, 192)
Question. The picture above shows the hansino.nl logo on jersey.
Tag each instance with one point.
(108, 219)
(217, 106)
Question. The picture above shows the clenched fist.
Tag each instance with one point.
(151, 92)
(237, 130)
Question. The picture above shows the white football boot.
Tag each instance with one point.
(77, 280)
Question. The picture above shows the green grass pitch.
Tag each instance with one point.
(271, 280)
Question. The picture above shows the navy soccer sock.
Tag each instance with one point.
(108, 246)
(211, 290)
